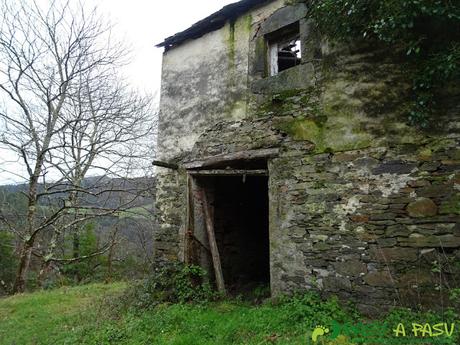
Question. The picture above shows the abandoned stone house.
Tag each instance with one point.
(294, 157)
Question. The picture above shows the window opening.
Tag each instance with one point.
(284, 48)
(284, 55)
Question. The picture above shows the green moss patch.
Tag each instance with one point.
(330, 131)
(451, 206)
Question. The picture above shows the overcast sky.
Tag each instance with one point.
(141, 24)
(144, 23)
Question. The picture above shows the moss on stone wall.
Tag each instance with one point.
(303, 129)
(438, 145)
(248, 22)
(292, 102)
(355, 103)
(451, 206)
(231, 46)
(331, 126)
(328, 134)
(238, 110)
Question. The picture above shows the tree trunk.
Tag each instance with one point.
(44, 271)
(24, 262)
(27, 247)
(75, 231)
(76, 252)
(76, 243)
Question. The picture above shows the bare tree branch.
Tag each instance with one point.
(67, 115)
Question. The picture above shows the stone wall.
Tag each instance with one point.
(378, 225)
(373, 225)
(362, 204)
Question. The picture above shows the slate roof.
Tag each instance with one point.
(213, 22)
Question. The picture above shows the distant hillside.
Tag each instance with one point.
(133, 224)
(13, 188)
(117, 191)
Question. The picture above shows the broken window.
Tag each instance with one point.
(284, 49)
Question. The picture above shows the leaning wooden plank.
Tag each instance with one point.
(229, 172)
(235, 156)
(213, 244)
(188, 235)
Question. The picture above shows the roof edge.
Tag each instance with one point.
(211, 23)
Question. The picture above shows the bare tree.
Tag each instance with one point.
(65, 115)
(107, 129)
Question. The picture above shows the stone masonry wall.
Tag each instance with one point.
(379, 226)
(362, 204)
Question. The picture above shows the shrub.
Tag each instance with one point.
(311, 309)
(174, 283)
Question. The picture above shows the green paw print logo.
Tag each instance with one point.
(318, 332)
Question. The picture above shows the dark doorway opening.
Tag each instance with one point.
(240, 216)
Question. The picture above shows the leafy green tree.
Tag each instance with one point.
(85, 269)
(426, 32)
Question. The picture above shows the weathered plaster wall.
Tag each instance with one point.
(204, 82)
(361, 204)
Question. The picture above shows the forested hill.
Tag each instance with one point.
(99, 190)
(117, 221)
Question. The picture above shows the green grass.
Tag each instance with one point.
(86, 315)
(141, 212)
(74, 316)
(48, 317)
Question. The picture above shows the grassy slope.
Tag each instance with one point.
(73, 316)
(48, 317)
(64, 316)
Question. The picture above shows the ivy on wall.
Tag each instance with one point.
(426, 31)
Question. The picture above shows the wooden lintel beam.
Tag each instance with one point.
(228, 172)
(167, 165)
(235, 156)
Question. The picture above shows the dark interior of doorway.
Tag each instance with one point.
(241, 228)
